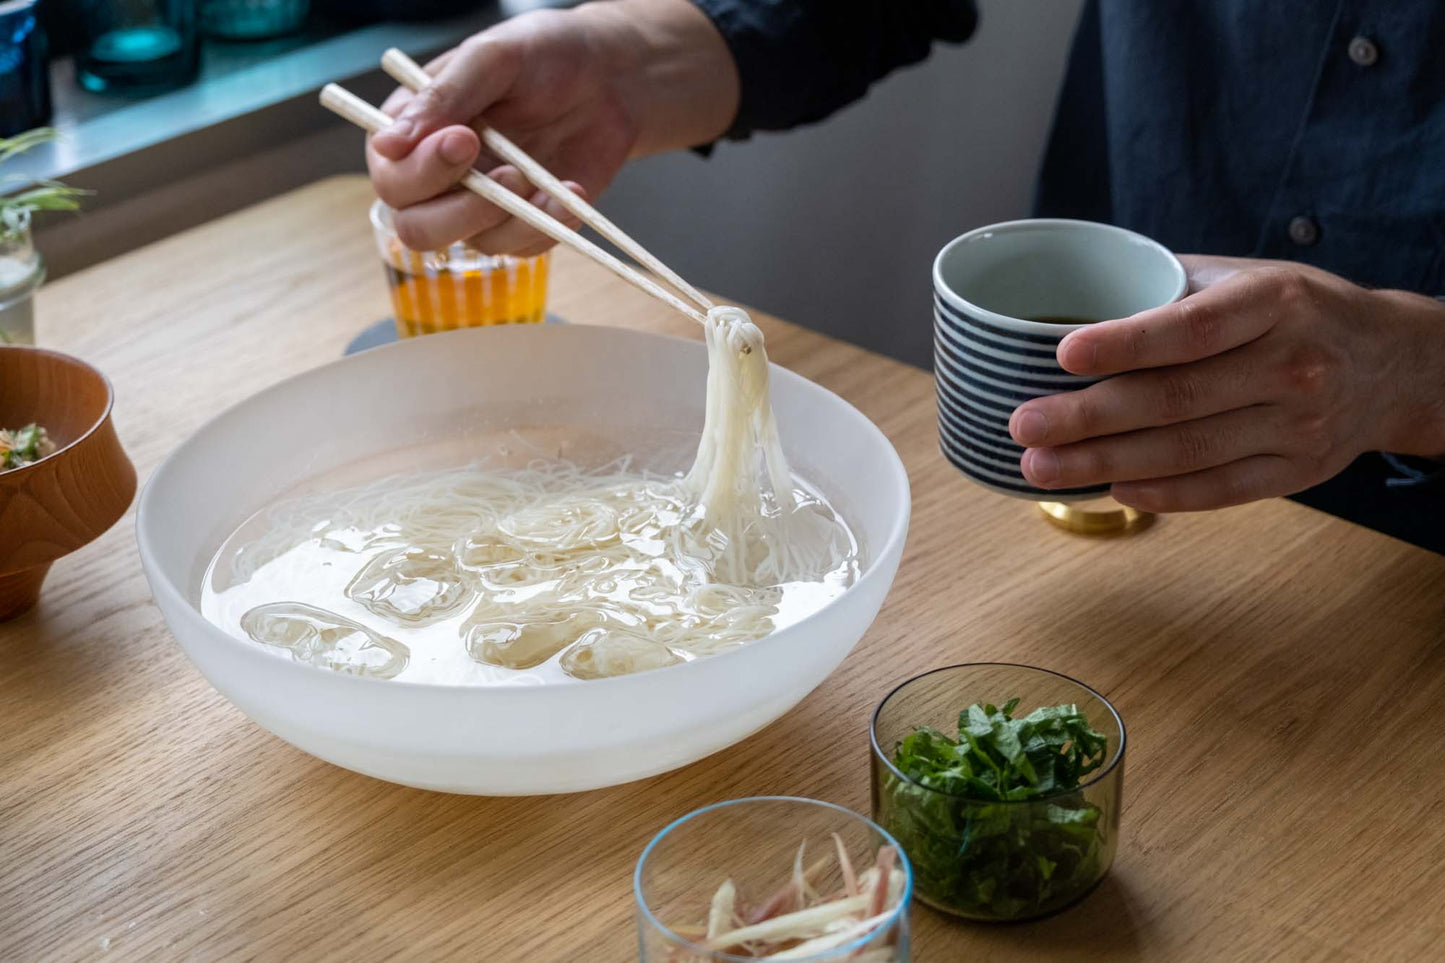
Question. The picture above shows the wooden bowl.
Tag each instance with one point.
(56, 505)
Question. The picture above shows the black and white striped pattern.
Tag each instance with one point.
(984, 372)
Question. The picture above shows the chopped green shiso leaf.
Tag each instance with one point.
(958, 816)
(24, 446)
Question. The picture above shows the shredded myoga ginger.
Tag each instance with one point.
(796, 921)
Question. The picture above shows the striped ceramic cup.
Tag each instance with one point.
(1004, 296)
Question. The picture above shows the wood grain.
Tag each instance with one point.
(1280, 672)
(59, 503)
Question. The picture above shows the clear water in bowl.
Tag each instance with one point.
(431, 575)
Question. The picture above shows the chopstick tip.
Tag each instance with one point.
(404, 70)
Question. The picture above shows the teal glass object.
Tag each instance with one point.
(252, 19)
(140, 46)
(24, 69)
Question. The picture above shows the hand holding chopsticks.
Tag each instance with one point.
(410, 75)
(371, 119)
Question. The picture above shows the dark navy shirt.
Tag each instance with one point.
(1311, 130)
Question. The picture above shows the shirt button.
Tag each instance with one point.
(1303, 230)
(1363, 51)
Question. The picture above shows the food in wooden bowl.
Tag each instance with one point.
(24, 446)
(62, 486)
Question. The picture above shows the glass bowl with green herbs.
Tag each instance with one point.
(1002, 783)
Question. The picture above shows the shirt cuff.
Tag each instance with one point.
(1415, 474)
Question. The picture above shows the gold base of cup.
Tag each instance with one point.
(1097, 517)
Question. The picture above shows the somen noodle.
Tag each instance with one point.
(549, 571)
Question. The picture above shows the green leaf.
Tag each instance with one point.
(979, 724)
(27, 441)
(1006, 739)
(985, 849)
(1085, 816)
(46, 195)
(20, 143)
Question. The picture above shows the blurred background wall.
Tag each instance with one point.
(835, 226)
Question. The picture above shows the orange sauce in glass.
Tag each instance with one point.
(441, 291)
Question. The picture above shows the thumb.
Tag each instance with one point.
(471, 79)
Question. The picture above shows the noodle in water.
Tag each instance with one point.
(551, 571)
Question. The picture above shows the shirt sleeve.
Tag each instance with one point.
(1419, 474)
(801, 60)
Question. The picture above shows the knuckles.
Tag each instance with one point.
(432, 100)
(1084, 420)
(1202, 327)
(1084, 467)
(1312, 436)
(1144, 497)
(1236, 488)
(1193, 446)
(385, 187)
(1179, 394)
(1310, 372)
(1287, 287)
(1139, 344)
(499, 53)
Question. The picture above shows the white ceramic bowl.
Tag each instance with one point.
(507, 740)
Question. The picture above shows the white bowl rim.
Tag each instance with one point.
(1023, 325)
(892, 543)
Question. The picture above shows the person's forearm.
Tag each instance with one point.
(674, 70)
(1419, 428)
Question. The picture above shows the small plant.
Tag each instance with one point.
(47, 195)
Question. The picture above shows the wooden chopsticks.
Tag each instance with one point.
(410, 75)
(346, 104)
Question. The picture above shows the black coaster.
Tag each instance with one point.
(384, 332)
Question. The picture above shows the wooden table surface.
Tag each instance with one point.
(1281, 673)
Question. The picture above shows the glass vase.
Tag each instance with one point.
(21, 271)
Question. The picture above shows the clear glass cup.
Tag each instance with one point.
(997, 860)
(141, 46)
(754, 843)
(21, 271)
(459, 287)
